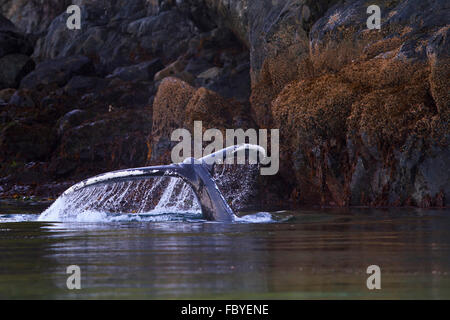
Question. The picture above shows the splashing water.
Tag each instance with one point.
(159, 199)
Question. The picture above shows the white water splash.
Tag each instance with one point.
(159, 199)
(260, 217)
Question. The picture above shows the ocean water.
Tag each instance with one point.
(172, 253)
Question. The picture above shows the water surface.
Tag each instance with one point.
(306, 254)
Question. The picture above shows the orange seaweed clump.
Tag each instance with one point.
(170, 103)
(395, 101)
(209, 107)
(316, 109)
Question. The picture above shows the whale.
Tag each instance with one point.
(197, 173)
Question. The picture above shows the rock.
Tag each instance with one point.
(168, 114)
(177, 105)
(71, 119)
(438, 51)
(174, 68)
(97, 94)
(143, 71)
(117, 39)
(14, 51)
(110, 141)
(22, 98)
(6, 25)
(23, 142)
(6, 94)
(11, 41)
(363, 113)
(57, 72)
(80, 85)
(166, 34)
(231, 83)
(14, 67)
(31, 16)
(210, 73)
(210, 108)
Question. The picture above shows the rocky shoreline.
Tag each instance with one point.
(363, 114)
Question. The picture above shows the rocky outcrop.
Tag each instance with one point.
(32, 16)
(15, 49)
(366, 119)
(57, 72)
(177, 105)
(363, 114)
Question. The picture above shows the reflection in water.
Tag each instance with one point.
(317, 254)
(165, 259)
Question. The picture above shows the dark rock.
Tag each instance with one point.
(167, 34)
(11, 41)
(22, 98)
(57, 72)
(32, 16)
(79, 85)
(116, 39)
(363, 113)
(139, 72)
(23, 142)
(14, 67)
(6, 94)
(6, 25)
(112, 140)
(71, 119)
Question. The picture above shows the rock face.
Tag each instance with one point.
(363, 114)
(15, 49)
(366, 119)
(32, 16)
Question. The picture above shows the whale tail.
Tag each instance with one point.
(195, 172)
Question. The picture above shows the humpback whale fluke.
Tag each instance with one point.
(195, 172)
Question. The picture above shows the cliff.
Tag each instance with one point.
(363, 114)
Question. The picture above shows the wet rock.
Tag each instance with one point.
(175, 69)
(210, 73)
(80, 85)
(57, 72)
(15, 49)
(116, 38)
(6, 94)
(363, 113)
(31, 16)
(109, 141)
(143, 71)
(6, 24)
(168, 33)
(22, 98)
(17, 143)
(220, 63)
(14, 67)
(12, 41)
(71, 119)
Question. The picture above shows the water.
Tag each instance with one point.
(154, 200)
(313, 254)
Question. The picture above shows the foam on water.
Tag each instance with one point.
(260, 217)
(17, 217)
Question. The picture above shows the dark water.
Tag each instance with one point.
(317, 254)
